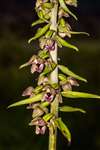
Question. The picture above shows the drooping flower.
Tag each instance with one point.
(43, 80)
(47, 44)
(73, 81)
(49, 94)
(37, 65)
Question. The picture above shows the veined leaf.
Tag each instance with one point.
(47, 117)
(71, 109)
(84, 33)
(37, 22)
(66, 44)
(63, 128)
(63, 5)
(73, 94)
(68, 72)
(62, 77)
(40, 33)
(35, 98)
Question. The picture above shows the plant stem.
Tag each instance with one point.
(54, 79)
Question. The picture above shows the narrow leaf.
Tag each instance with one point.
(27, 101)
(84, 33)
(37, 22)
(68, 72)
(71, 109)
(63, 128)
(73, 94)
(40, 33)
(24, 65)
(63, 5)
(66, 44)
(47, 117)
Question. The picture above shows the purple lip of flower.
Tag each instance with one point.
(50, 46)
(37, 66)
(40, 130)
(41, 122)
(48, 97)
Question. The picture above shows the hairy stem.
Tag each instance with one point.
(54, 79)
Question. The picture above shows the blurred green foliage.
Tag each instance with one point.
(14, 131)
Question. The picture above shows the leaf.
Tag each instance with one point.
(66, 44)
(39, 33)
(35, 98)
(62, 77)
(85, 33)
(71, 109)
(73, 94)
(63, 128)
(63, 5)
(47, 117)
(37, 22)
(68, 72)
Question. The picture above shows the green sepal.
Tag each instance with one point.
(39, 33)
(47, 117)
(33, 99)
(68, 72)
(74, 94)
(44, 104)
(65, 44)
(71, 109)
(48, 68)
(47, 5)
(49, 33)
(63, 128)
(62, 77)
(38, 89)
(84, 33)
(65, 8)
(43, 54)
(37, 22)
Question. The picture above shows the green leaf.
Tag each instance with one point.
(73, 94)
(62, 77)
(63, 5)
(47, 117)
(37, 22)
(66, 44)
(63, 128)
(39, 33)
(84, 33)
(71, 109)
(68, 72)
(35, 98)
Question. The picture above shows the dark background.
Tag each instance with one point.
(15, 19)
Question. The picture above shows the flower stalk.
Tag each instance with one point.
(52, 86)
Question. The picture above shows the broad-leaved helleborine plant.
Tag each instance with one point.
(55, 81)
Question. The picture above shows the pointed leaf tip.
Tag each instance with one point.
(27, 101)
(74, 94)
(68, 72)
(71, 109)
(64, 129)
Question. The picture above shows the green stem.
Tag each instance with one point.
(54, 79)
